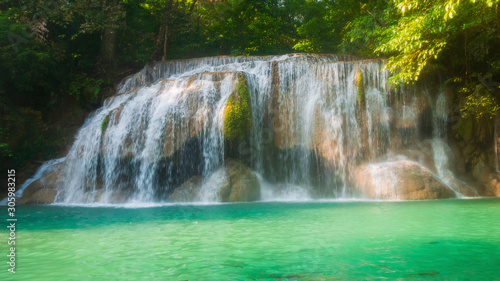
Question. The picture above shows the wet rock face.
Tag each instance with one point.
(243, 184)
(238, 184)
(305, 120)
(43, 190)
(188, 191)
(400, 179)
(237, 112)
(480, 170)
(495, 184)
(188, 123)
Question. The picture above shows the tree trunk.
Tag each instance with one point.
(192, 7)
(165, 42)
(108, 45)
(108, 42)
(162, 39)
(498, 20)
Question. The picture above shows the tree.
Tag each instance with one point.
(322, 24)
(114, 15)
(418, 36)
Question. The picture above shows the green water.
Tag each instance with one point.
(428, 240)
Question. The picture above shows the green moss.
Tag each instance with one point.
(465, 128)
(105, 123)
(237, 114)
(361, 89)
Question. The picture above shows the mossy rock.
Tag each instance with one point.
(361, 89)
(465, 128)
(105, 123)
(237, 113)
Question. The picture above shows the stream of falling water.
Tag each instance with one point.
(440, 149)
(309, 129)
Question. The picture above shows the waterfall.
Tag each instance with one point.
(315, 119)
(439, 147)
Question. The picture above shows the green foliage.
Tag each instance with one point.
(105, 123)
(37, 147)
(425, 29)
(86, 89)
(237, 114)
(5, 150)
(365, 32)
(417, 39)
(322, 24)
(240, 27)
(478, 102)
(459, 39)
(22, 137)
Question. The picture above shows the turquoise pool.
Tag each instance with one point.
(417, 240)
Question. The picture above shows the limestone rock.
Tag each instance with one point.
(480, 170)
(243, 184)
(232, 183)
(495, 184)
(237, 112)
(399, 179)
(43, 190)
(188, 191)
(42, 196)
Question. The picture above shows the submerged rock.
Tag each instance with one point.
(235, 183)
(400, 179)
(420, 273)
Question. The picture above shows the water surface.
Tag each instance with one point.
(420, 240)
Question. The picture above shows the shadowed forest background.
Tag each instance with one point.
(59, 60)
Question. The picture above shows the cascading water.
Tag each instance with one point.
(440, 149)
(312, 127)
(135, 154)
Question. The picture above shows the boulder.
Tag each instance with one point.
(495, 184)
(232, 183)
(188, 191)
(42, 196)
(400, 179)
(243, 183)
(480, 170)
(43, 190)
(422, 153)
